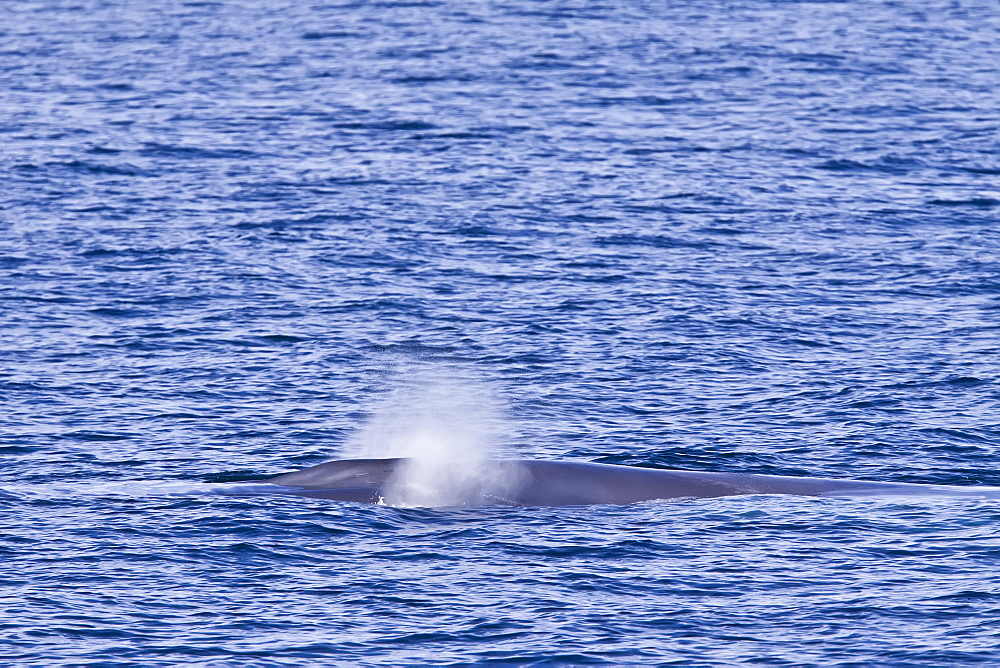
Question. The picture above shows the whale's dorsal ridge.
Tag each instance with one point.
(532, 482)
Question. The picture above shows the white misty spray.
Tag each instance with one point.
(447, 423)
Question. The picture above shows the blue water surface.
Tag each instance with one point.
(751, 235)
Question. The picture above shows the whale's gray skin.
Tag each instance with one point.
(551, 483)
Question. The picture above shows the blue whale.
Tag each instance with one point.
(552, 483)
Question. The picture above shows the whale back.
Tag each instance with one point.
(551, 483)
(360, 480)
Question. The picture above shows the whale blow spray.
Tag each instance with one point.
(448, 424)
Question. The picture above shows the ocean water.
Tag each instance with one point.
(240, 238)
